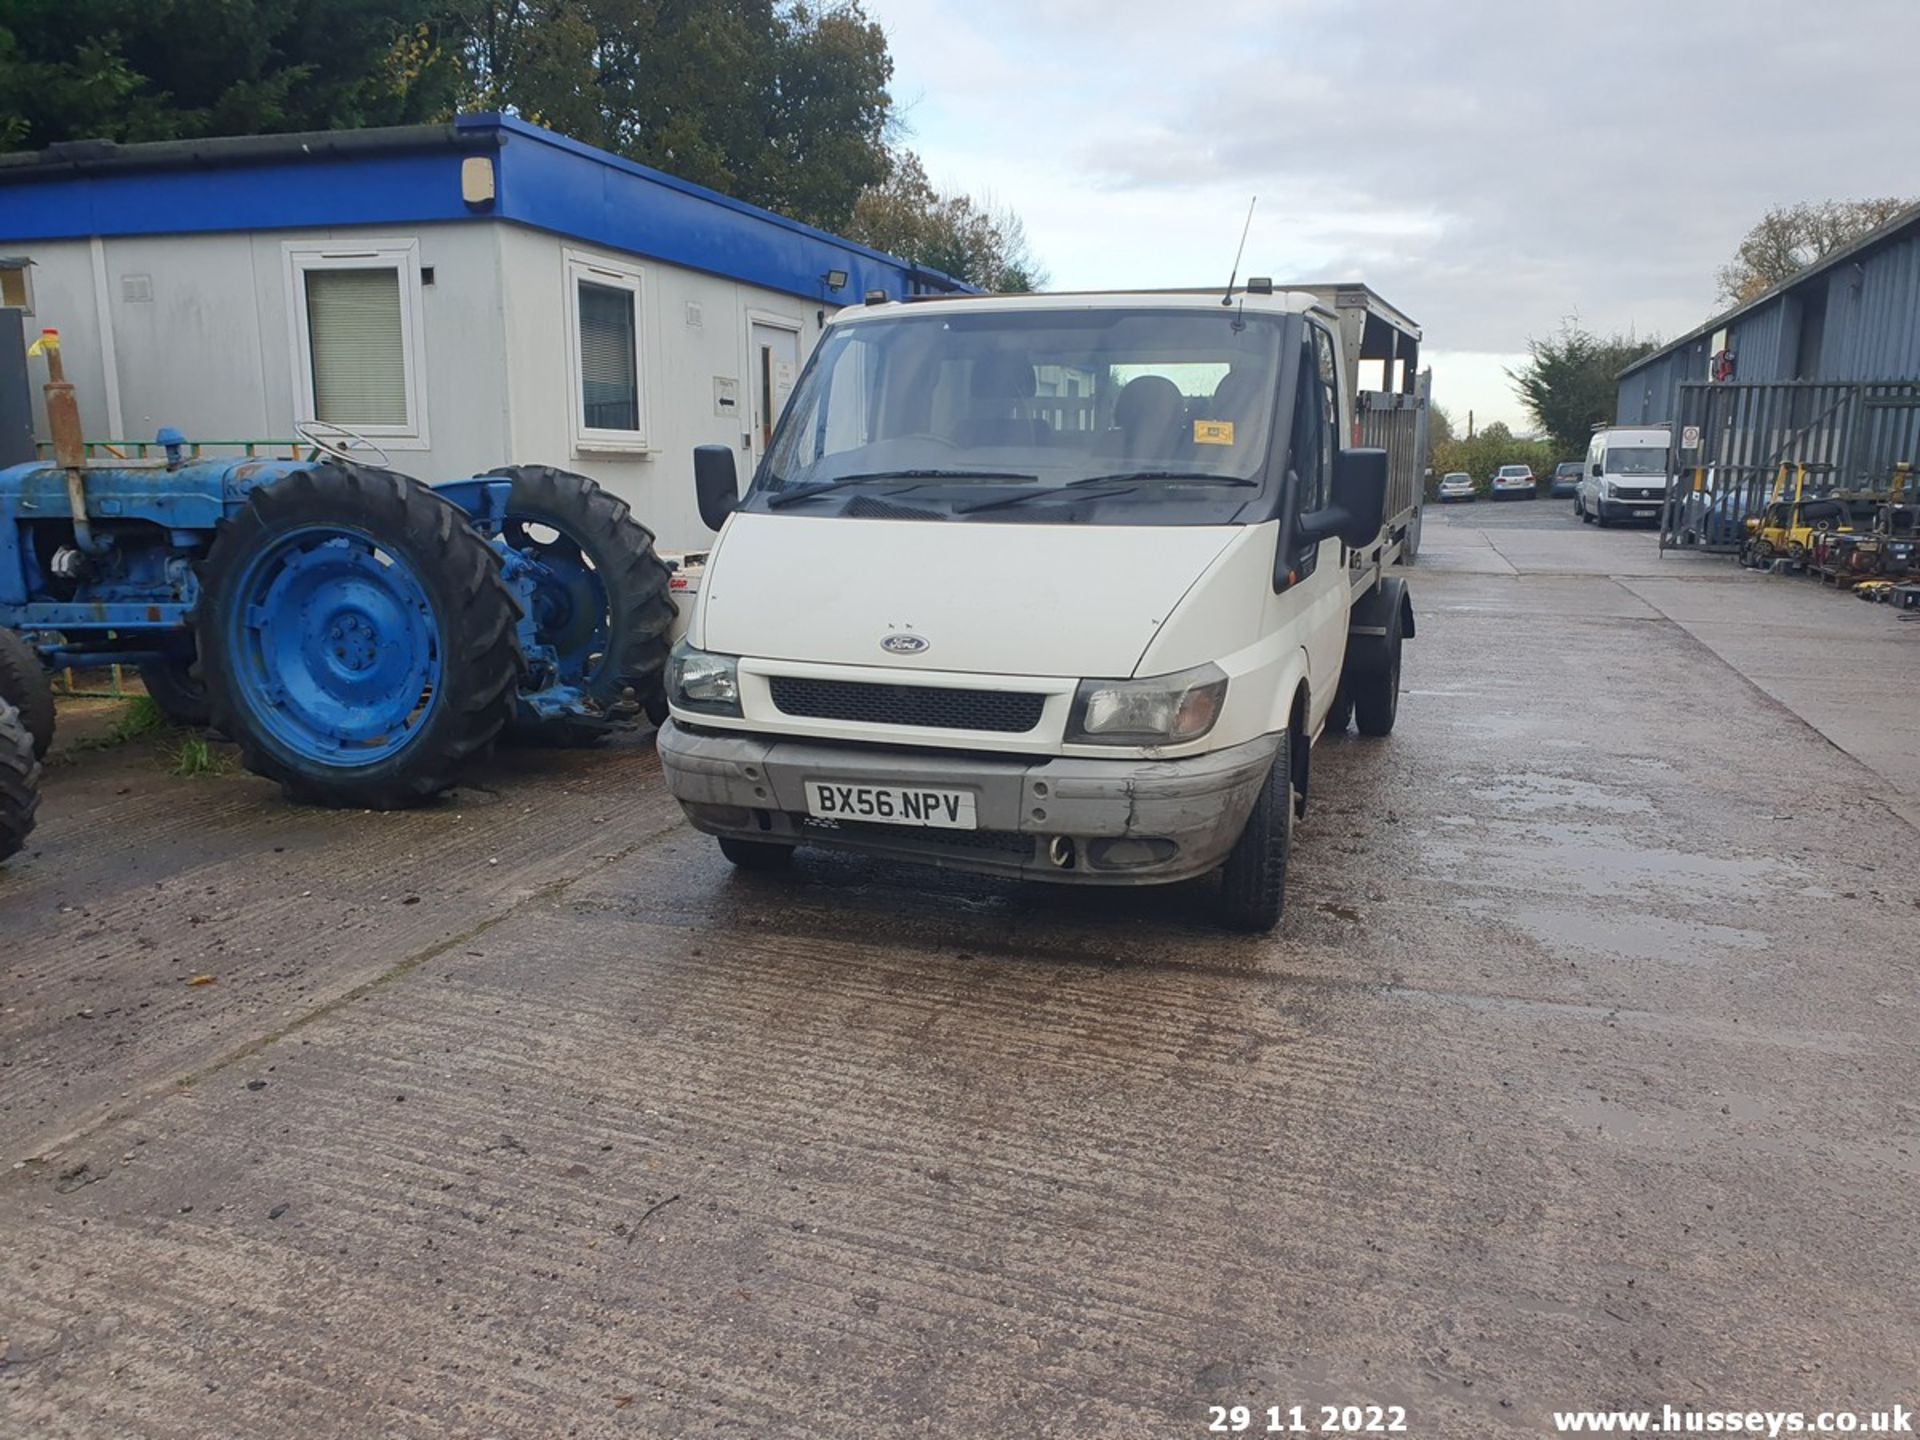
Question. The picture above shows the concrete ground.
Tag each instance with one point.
(1580, 1074)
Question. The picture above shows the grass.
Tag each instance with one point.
(194, 756)
(141, 717)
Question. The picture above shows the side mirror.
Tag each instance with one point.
(1596, 469)
(715, 483)
(1359, 501)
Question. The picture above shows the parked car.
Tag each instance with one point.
(1513, 482)
(1456, 486)
(1565, 480)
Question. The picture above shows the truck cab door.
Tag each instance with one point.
(1311, 578)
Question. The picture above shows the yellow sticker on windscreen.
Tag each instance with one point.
(1213, 432)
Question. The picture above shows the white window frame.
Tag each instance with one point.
(25, 267)
(615, 274)
(371, 254)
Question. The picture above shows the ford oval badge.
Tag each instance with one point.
(903, 642)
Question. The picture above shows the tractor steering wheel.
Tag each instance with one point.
(341, 443)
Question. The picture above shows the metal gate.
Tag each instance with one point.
(1847, 436)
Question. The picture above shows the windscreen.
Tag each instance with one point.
(1103, 416)
(1636, 460)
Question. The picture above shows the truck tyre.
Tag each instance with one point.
(355, 638)
(756, 854)
(19, 782)
(177, 691)
(26, 686)
(604, 608)
(1253, 880)
(1376, 692)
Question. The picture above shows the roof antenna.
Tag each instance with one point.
(1227, 299)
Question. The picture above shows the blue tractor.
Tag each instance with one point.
(360, 635)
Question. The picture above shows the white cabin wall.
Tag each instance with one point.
(210, 351)
(680, 363)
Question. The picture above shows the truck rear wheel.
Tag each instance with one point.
(19, 782)
(24, 684)
(1376, 691)
(1253, 881)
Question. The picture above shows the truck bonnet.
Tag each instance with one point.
(1015, 599)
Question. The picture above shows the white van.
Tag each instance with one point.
(1062, 587)
(1625, 476)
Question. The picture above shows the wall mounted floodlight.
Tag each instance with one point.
(835, 279)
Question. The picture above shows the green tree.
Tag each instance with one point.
(1568, 385)
(1487, 451)
(778, 102)
(1789, 238)
(135, 70)
(980, 244)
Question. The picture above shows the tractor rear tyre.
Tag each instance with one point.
(1253, 881)
(355, 638)
(179, 693)
(25, 685)
(602, 605)
(19, 782)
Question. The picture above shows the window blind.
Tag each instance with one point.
(609, 368)
(358, 346)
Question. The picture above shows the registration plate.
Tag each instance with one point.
(1645, 514)
(891, 804)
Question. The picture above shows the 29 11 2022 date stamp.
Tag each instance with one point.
(1307, 1420)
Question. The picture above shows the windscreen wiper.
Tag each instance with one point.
(777, 498)
(1122, 480)
(1183, 477)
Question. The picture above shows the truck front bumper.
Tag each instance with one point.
(1090, 822)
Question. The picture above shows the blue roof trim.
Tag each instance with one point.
(543, 180)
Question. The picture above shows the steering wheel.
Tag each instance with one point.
(341, 443)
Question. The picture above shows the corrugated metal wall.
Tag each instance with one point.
(1870, 331)
(1873, 317)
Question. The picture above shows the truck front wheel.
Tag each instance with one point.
(1253, 881)
(756, 854)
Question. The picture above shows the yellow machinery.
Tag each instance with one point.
(1786, 527)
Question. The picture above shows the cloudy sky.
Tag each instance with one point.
(1490, 166)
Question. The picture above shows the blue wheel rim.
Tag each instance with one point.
(569, 600)
(335, 647)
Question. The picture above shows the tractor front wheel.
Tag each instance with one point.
(177, 691)
(19, 781)
(599, 601)
(355, 638)
(25, 685)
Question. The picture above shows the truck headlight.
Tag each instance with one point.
(697, 680)
(1165, 710)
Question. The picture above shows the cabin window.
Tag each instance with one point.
(357, 356)
(606, 310)
(16, 284)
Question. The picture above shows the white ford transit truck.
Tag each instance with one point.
(1056, 586)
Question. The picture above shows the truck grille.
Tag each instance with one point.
(1009, 712)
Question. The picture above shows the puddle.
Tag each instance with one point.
(1529, 793)
(1629, 936)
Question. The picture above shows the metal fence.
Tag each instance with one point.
(192, 449)
(1732, 442)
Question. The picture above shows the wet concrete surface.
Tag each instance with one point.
(1581, 1073)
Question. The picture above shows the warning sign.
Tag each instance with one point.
(1690, 437)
